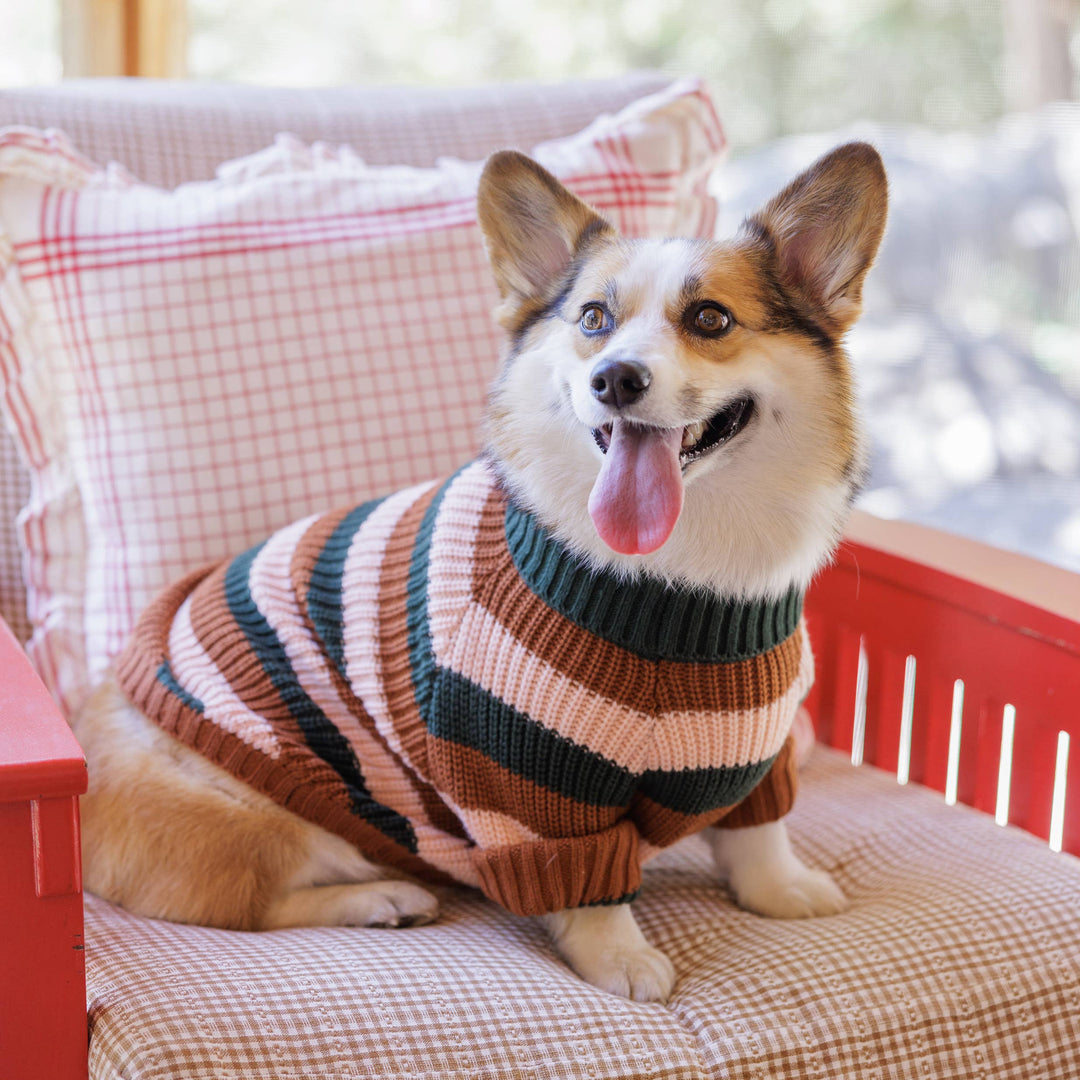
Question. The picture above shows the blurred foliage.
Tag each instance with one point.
(775, 66)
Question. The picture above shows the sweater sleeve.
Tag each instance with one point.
(536, 850)
(547, 816)
(535, 877)
(772, 798)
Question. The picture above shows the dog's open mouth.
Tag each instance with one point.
(698, 439)
(637, 498)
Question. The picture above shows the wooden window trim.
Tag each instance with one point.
(124, 37)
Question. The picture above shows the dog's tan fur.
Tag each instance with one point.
(168, 834)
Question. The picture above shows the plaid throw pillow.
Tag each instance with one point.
(186, 371)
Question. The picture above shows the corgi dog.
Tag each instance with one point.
(533, 676)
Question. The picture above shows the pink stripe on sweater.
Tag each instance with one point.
(361, 582)
(490, 829)
(452, 560)
(488, 654)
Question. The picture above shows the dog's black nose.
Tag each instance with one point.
(619, 382)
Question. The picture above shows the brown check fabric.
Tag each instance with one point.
(960, 957)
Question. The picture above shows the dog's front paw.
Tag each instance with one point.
(638, 972)
(606, 948)
(768, 878)
(796, 894)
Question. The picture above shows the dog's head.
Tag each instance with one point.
(683, 406)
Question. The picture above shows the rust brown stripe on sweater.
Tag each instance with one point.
(733, 687)
(308, 550)
(225, 642)
(138, 664)
(664, 826)
(489, 551)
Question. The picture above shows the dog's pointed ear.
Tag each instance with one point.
(532, 226)
(824, 229)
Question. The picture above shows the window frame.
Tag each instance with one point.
(124, 37)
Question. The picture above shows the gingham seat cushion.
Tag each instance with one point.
(960, 957)
(187, 371)
(171, 132)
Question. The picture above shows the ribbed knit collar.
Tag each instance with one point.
(643, 614)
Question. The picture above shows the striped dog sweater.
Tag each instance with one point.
(435, 678)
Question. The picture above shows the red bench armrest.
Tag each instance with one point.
(42, 975)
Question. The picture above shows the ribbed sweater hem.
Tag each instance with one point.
(549, 875)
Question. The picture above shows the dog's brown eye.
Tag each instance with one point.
(593, 319)
(710, 319)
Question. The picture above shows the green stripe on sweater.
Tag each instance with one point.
(167, 679)
(421, 651)
(697, 791)
(324, 598)
(464, 713)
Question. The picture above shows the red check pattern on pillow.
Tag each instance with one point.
(169, 132)
(187, 371)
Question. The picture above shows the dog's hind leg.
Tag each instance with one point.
(337, 886)
(170, 835)
(372, 903)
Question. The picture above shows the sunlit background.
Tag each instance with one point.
(969, 353)
(775, 66)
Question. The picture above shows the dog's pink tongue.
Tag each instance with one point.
(638, 496)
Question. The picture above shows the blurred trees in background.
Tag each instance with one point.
(775, 66)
